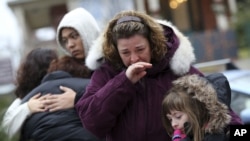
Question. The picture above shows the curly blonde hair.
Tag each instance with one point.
(147, 27)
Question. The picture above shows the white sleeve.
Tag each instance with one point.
(14, 117)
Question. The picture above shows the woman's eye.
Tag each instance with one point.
(64, 42)
(141, 49)
(125, 53)
(74, 36)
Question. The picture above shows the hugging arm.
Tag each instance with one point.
(17, 113)
(56, 102)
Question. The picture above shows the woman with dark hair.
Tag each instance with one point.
(33, 69)
(29, 76)
(62, 125)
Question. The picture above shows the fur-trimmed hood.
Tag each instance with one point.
(202, 90)
(181, 57)
(84, 23)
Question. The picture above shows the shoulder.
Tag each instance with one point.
(221, 86)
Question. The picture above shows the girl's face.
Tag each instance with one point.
(73, 43)
(177, 119)
(134, 49)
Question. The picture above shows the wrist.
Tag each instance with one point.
(29, 107)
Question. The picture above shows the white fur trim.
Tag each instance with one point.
(95, 56)
(184, 55)
(180, 62)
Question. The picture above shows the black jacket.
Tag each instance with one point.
(63, 125)
(222, 87)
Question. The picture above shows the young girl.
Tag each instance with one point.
(192, 111)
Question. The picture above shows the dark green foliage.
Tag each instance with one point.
(242, 23)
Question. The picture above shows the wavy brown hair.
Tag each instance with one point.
(71, 65)
(33, 69)
(147, 27)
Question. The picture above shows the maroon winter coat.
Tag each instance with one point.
(112, 105)
(114, 108)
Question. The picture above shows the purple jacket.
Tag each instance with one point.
(114, 108)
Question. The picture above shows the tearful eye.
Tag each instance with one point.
(125, 53)
(141, 49)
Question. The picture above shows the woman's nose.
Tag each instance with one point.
(134, 58)
(70, 43)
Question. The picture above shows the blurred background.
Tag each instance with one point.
(218, 29)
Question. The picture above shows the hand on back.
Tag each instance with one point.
(37, 103)
(55, 102)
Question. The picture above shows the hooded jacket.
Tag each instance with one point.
(84, 23)
(205, 92)
(114, 107)
(63, 125)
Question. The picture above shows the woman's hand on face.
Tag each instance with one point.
(62, 101)
(36, 103)
(137, 70)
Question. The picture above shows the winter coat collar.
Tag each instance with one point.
(55, 75)
(179, 57)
